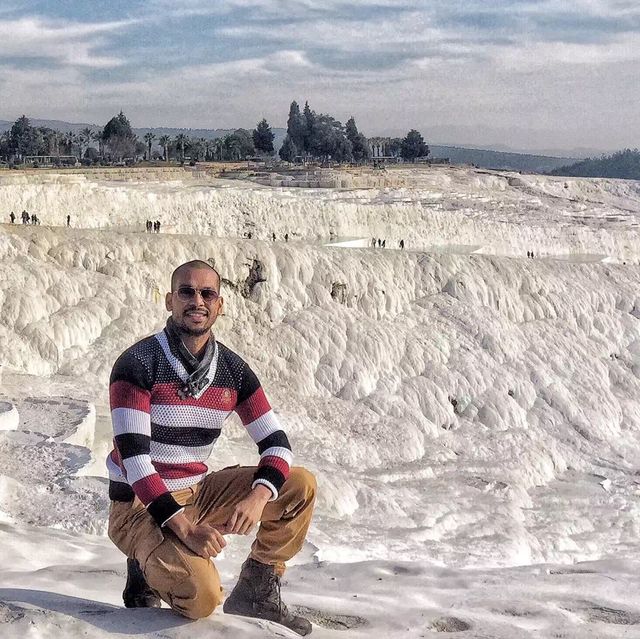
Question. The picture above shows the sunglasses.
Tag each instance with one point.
(187, 293)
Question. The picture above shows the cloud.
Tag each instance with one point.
(62, 42)
(407, 62)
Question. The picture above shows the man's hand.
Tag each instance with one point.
(203, 539)
(247, 512)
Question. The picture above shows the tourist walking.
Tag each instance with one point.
(12, 217)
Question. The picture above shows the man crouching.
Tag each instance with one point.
(170, 394)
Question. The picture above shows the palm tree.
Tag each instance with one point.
(149, 138)
(219, 148)
(68, 140)
(97, 136)
(208, 147)
(85, 136)
(51, 138)
(181, 141)
(165, 140)
(197, 148)
(231, 145)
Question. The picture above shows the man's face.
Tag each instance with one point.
(192, 313)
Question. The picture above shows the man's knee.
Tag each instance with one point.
(188, 583)
(207, 596)
(303, 481)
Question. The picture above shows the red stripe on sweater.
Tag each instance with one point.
(180, 471)
(253, 407)
(126, 395)
(214, 397)
(275, 462)
(149, 488)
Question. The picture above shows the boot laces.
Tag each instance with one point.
(271, 588)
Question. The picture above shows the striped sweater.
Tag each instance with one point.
(161, 442)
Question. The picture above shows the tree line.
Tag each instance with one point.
(117, 142)
(310, 136)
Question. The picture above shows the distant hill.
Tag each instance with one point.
(498, 160)
(622, 164)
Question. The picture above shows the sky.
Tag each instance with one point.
(561, 74)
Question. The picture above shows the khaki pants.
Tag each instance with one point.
(186, 581)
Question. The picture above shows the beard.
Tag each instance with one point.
(184, 329)
(195, 332)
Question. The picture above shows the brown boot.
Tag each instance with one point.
(257, 594)
(137, 593)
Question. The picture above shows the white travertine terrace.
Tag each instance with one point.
(462, 405)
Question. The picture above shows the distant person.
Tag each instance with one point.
(168, 514)
(68, 220)
(384, 243)
(273, 237)
(12, 217)
(249, 235)
(532, 255)
(25, 217)
(402, 245)
(34, 218)
(379, 243)
(286, 237)
(528, 254)
(373, 242)
(158, 226)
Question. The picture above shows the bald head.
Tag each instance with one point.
(193, 265)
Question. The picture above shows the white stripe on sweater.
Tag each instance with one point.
(279, 451)
(138, 467)
(185, 482)
(264, 426)
(130, 420)
(185, 416)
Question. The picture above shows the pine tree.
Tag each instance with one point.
(308, 121)
(119, 137)
(263, 137)
(295, 126)
(288, 150)
(23, 138)
(359, 143)
(413, 146)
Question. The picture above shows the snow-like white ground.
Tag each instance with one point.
(472, 415)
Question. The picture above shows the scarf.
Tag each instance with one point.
(197, 369)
